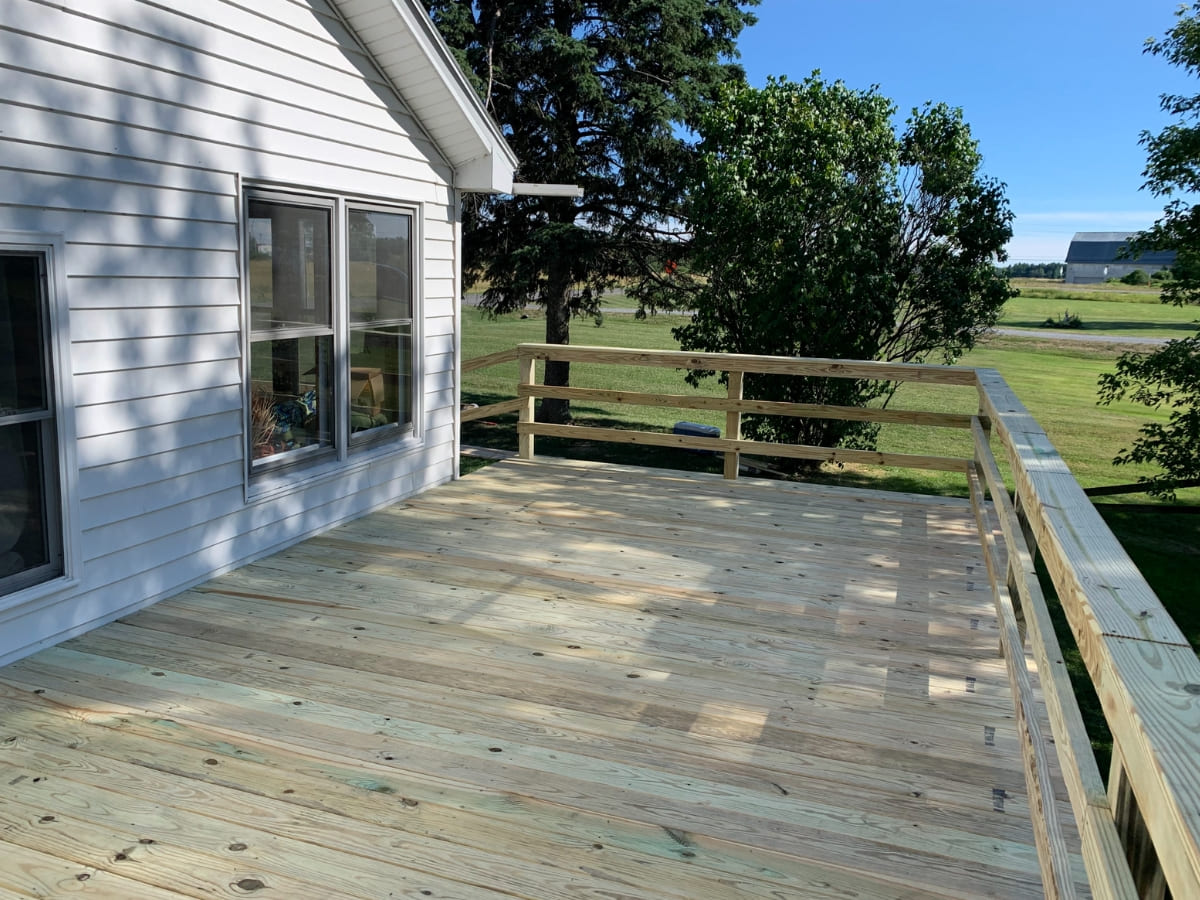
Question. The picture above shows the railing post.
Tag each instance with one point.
(733, 425)
(525, 378)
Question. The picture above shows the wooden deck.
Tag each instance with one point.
(546, 680)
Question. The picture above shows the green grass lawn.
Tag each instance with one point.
(1055, 379)
(1121, 317)
(1117, 309)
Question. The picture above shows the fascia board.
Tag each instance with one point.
(485, 163)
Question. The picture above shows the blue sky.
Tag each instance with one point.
(1057, 92)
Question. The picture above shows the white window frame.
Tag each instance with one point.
(347, 453)
(52, 250)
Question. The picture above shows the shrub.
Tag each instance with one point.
(819, 231)
(1068, 320)
(1137, 276)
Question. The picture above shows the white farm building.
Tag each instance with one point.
(229, 257)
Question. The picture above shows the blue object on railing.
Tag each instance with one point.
(695, 429)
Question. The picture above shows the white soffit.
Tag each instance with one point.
(536, 189)
(406, 46)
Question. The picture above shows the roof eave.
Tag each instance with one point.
(402, 38)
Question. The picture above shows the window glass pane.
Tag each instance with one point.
(291, 395)
(289, 271)
(22, 337)
(29, 539)
(380, 266)
(380, 377)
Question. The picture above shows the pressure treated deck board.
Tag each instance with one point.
(742, 666)
(461, 709)
(576, 731)
(640, 641)
(726, 569)
(822, 598)
(379, 592)
(644, 584)
(441, 809)
(546, 680)
(734, 689)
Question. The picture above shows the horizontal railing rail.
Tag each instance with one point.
(492, 409)
(759, 407)
(492, 359)
(1053, 854)
(1140, 835)
(742, 362)
(735, 405)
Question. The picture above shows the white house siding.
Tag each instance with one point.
(128, 128)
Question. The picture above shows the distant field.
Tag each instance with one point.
(1045, 287)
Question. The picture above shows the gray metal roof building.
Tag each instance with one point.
(1094, 256)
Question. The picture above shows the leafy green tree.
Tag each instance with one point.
(593, 93)
(819, 231)
(1169, 378)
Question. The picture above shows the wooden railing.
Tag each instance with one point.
(1140, 835)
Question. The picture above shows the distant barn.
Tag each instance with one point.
(1095, 256)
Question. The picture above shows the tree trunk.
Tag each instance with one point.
(558, 331)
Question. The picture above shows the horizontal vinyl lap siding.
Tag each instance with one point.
(130, 140)
(228, 59)
(159, 471)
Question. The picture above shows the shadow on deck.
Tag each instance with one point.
(548, 679)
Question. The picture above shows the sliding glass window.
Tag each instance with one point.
(331, 310)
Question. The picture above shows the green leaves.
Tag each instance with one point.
(1170, 378)
(818, 231)
(590, 93)
(593, 93)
